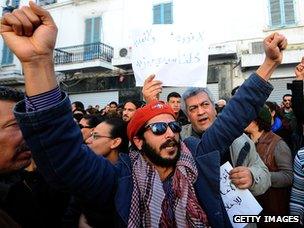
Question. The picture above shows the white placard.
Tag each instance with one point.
(177, 56)
(236, 201)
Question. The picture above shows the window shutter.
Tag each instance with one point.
(157, 14)
(15, 3)
(88, 31)
(97, 28)
(7, 55)
(275, 13)
(289, 12)
(257, 47)
(45, 2)
(167, 13)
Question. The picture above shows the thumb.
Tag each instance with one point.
(44, 15)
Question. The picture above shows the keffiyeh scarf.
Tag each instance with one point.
(149, 204)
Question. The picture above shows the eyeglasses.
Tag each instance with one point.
(81, 126)
(160, 128)
(96, 136)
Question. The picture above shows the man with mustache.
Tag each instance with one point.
(129, 109)
(179, 188)
(24, 195)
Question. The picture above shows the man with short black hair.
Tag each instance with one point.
(15, 155)
(174, 100)
(113, 106)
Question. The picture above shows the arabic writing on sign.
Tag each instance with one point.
(145, 38)
(228, 189)
(187, 38)
(178, 56)
(185, 58)
(236, 201)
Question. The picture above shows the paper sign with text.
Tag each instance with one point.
(177, 56)
(236, 201)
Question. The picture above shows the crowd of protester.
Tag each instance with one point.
(144, 163)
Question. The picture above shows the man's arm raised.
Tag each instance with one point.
(30, 33)
(274, 45)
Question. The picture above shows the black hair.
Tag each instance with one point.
(137, 103)
(78, 105)
(273, 106)
(93, 120)
(10, 94)
(263, 125)
(119, 130)
(286, 95)
(113, 102)
(173, 94)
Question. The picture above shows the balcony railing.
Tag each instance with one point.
(82, 53)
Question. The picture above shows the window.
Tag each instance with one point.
(93, 29)
(45, 2)
(281, 13)
(15, 3)
(162, 13)
(257, 47)
(10, 6)
(7, 55)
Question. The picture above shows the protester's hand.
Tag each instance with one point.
(241, 177)
(151, 89)
(29, 32)
(299, 70)
(274, 45)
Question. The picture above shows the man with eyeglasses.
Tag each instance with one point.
(177, 187)
(109, 139)
(87, 124)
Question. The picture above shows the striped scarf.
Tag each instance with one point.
(149, 204)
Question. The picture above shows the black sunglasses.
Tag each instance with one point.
(160, 128)
(81, 126)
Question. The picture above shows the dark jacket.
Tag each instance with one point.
(56, 144)
(298, 109)
(30, 201)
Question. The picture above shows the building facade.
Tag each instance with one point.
(94, 47)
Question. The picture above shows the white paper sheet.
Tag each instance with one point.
(177, 56)
(236, 201)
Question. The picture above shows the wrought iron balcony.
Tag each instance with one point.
(83, 53)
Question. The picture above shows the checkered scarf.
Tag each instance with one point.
(149, 202)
